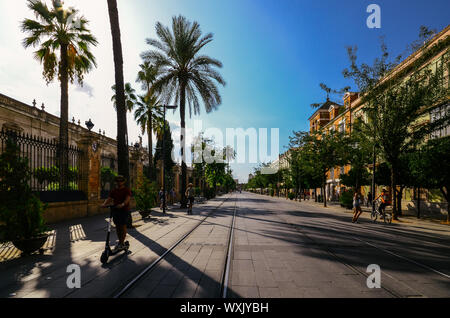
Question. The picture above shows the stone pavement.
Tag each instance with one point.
(81, 241)
(271, 259)
(425, 223)
(285, 248)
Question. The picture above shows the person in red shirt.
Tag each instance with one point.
(385, 200)
(120, 197)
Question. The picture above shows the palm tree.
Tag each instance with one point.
(147, 76)
(144, 114)
(130, 97)
(184, 73)
(122, 131)
(64, 50)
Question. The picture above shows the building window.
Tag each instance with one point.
(436, 114)
(342, 126)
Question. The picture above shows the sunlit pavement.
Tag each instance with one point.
(281, 248)
(291, 249)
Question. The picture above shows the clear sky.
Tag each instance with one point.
(275, 53)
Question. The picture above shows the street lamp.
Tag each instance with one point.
(163, 155)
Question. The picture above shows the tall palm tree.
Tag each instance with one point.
(185, 73)
(149, 117)
(122, 130)
(64, 50)
(147, 76)
(130, 97)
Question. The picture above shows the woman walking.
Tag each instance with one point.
(356, 207)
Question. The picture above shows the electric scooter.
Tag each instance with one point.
(108, 251)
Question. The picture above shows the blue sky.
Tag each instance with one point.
(275, 54)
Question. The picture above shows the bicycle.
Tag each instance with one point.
(387, 216)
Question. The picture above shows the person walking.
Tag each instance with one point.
(172, 196)
(161, 199)
(369, 199)
(190, 195)
(120, 196)
(356, 207)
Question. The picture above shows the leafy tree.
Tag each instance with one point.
(322, 151)
(64, 50)
(394, 103)
(431, 167)
(185, 73)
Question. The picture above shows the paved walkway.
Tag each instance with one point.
(81, 242)
(285, 248)
(426, 223)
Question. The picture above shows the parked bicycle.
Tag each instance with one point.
(387, 216)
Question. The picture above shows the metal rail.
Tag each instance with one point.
(130, 284)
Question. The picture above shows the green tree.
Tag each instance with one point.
(149, 117)
(324, 151)
(167, 156)
(130, 97)
(395, 103)
(185, 73)
(147, 105)
(63, 42)
(431, 167)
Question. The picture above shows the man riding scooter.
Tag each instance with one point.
(120, 196)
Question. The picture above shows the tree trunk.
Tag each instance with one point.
(183, 143)
(446, 194)
(324, 190)
(122, 131)
(64, 124)
(393, 195)
(151, 173)
(399, 201)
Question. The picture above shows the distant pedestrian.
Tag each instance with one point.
(172, 196)
(356, 206)
(369, 198)
(161, 199)
(190, 195)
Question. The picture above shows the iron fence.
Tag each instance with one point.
(45, 165)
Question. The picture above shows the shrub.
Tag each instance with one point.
(209, 193)
(20, 210)
(52, 174)
(291, 195)
(272, 192)
(107, 175)
(54, 186)
(145, 194)
(346, 199)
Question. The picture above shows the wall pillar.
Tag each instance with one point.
(90, 172)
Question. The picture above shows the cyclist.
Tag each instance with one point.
(120, 196)
(385, 201)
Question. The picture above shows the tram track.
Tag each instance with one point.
(127, 289)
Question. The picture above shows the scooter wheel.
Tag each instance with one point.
(104, 257)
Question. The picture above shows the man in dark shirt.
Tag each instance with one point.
(120, 196)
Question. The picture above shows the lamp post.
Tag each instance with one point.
(373, 177)
(163, 155)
